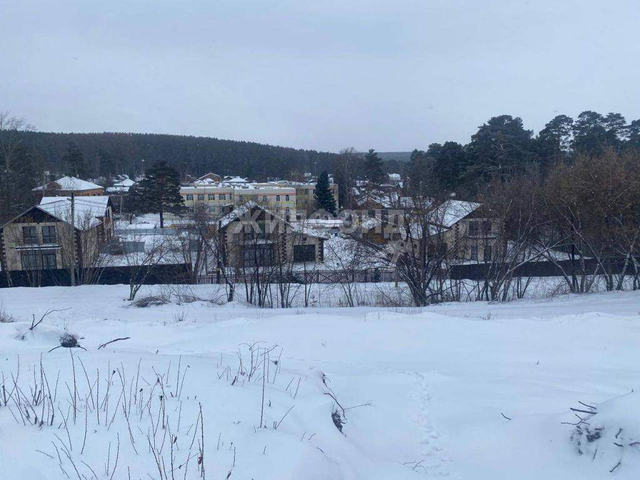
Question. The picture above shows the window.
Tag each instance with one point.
(29, 260)
(258, 255)
(49, 260)
(304, 253)
(487, 253)
(473, 229)
(486, 226)
(49, 234)
(189, 197)
(201, 197)
(264, 199)
(222, 196)
(29, 235)
(35, 260)
(474, 253)
(277, 198)
(286, 198)
(212, 196)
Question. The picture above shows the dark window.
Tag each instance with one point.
(200, 197)
(49, 260)
(258, 255)
(212, 196)
(487, 253)
(473, 229)
(222, 196)
(49, 234)
(29, 260)
(304, 253)
(36, 260)
(486, 226)
(277, 198)
(29, 235)
(287, 197)
(189, 197)
(474, 253)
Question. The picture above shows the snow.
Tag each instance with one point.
(434, 383)
(88, 210)
(452, 211)
(70, 183)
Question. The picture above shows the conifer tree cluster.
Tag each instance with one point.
(324, 197)
(158, 192)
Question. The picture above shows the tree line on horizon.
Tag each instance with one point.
(501, 148)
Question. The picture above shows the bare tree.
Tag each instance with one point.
(346, 168)
(142, 253)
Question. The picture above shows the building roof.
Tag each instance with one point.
(88, 210)
(242, 210)
(69, 184)
(452, 211)
(127, 182)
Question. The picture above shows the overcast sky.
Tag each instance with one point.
(323, 74)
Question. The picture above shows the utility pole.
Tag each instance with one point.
(73, 239)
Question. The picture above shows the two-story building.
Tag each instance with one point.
(251, 235)
(48, 237)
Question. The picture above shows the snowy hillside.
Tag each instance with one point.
(197, 390)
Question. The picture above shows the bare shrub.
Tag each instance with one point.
(150, 301)
(5, 317)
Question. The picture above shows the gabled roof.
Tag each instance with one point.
(88, 211)
(127, 182)
(242, 210)
(452, 211)
(69, 184)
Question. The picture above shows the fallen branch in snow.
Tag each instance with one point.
(34, 324)
(617, 465)
(102, 345)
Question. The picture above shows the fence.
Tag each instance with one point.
(476, 271)
(159, 274)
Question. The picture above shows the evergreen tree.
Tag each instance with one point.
(449, 163)
(324, 197)
(633, 131)
(590, 133)
(73, 161)
(419, 181)
(554, 141)
(373, 171)
(500, 149)
(158, 192)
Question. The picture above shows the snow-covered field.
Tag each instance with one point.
(424, 393)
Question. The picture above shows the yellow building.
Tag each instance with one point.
(219, 199)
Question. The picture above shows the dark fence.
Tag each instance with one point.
(475, 271)
(159, 274)
(479, 271)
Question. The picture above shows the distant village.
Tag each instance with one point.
(82, 232)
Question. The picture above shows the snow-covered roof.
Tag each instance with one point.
(127, 182)
(88, 210)
(69, 184)
(235, 180)
(242, 210)
(452, 211)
